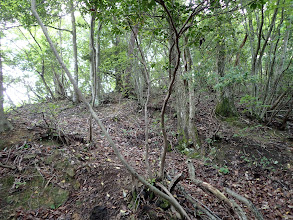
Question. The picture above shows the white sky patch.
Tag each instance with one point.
(17, 92)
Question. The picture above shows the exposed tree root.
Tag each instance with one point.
(249, 204)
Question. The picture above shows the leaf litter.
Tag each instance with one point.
(92, 176)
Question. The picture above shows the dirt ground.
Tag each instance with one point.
(50, 170)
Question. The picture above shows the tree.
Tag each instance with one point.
(169, 198)
(4, 123)
(74, 43)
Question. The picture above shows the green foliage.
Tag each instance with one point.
(257, 4)
(263, 162)
(224, 170)
(252, 104)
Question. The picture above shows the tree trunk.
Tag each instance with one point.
(4, 123)
(93, 73)
(118, 77)
(59, 87)
(63, 78)
(146, 118)
(75, 97)
(98, 63)
(128, 88)
(192, 129)
(225, 107)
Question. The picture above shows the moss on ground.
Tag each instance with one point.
(31, 194)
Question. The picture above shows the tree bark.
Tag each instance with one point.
(192, 129)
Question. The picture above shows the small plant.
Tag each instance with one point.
(224, 170)
(209, 141)
(19, 184)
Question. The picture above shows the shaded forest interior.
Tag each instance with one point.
(146, 109)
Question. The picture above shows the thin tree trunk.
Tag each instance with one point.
(93, 73)
(238, 53)
(128, 88)
(118, 77)
(59, 87)
(75, 97)
(98, 63)
(147, 77)
(63, 78)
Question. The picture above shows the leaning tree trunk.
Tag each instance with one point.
(59, 87)
(4, 123)
(42, 75)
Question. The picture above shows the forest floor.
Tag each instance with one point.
(49, 170)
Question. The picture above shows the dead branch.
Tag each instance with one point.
(199, 206)
(233, 207)
(249, 204)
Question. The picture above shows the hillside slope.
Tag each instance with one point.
(50, 170)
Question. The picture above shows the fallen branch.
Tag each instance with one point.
(196, 205)
(234, 208)
(249, 204)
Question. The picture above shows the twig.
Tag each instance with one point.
(8, 155)
(48, 183)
